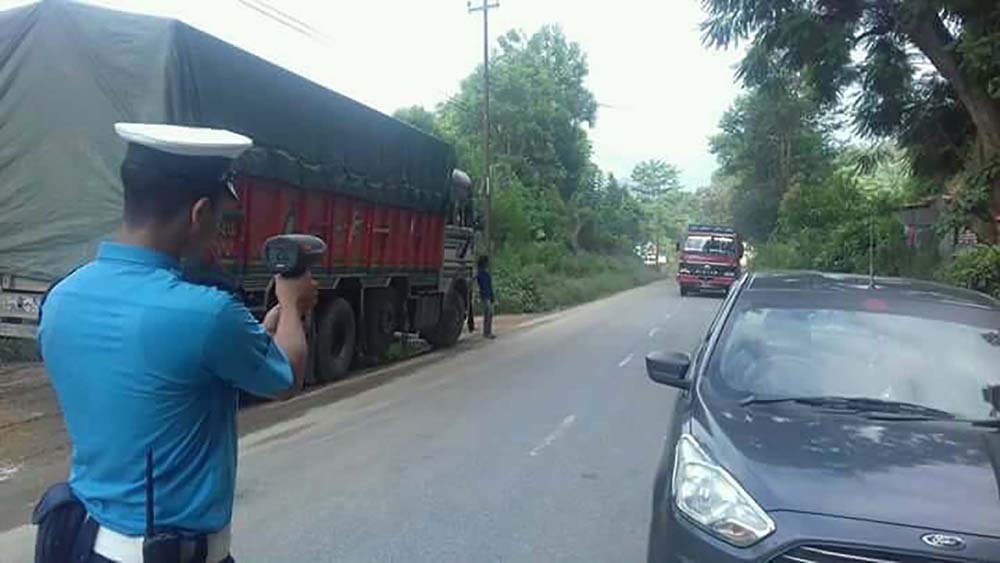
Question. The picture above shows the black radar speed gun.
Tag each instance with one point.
(292, 255)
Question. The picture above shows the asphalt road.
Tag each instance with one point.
(540, 446)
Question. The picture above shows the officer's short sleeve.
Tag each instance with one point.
(242, 353)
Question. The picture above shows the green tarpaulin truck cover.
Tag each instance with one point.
(69, 71)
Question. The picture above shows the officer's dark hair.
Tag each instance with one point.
(483, 262)
(152, 197)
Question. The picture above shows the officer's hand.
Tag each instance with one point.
(298, 294)
(271, 320)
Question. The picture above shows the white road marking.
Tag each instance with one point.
(667, 316)
(7, 471)
(559, 431)
(653, 331)
(625, 362)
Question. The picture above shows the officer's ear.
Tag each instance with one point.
(204, 215)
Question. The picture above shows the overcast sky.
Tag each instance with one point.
(661, 92)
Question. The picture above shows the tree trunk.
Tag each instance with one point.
(574, 238)
(930, 35)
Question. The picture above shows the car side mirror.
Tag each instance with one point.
(669, 369)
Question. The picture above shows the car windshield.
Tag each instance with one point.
(776, 353)
(710, 244)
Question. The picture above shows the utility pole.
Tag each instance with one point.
(485, 8)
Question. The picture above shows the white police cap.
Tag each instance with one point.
(185, 141)
(194, 155)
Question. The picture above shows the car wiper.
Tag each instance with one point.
(986, 423)
(856, 404)
(884, 405)
(812, 401)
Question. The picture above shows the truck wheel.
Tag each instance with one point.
(336, 337)
(449, 328)
(381, 320)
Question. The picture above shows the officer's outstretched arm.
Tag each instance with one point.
(241, 352)
(290, 336)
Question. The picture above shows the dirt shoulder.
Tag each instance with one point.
(34, 447)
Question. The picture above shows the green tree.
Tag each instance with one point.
(615, 219)
(713, 203)
(418, 117)
(539, 110)
(653, 178)
(770, 140)
(563, 232)
(819, 40)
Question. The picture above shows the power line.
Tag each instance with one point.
(271, 12)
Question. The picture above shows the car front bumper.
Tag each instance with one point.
(705, 282)
(798, 536)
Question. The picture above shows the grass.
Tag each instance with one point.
(538, 280)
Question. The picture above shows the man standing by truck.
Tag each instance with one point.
(147, 366)
(486, 296)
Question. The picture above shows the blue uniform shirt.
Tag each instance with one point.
(141, 359)
(485, 281)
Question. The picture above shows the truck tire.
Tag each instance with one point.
(449, 328)
(336, 337)
(381, 320)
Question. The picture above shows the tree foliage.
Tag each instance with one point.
(652, 179)
(770, 140)
(563, 231)
(539, 107)
(418, 117)
(804, 200)
(714, 203)
(951, 114)
(546, 190)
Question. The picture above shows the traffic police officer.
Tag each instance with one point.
(144, 362)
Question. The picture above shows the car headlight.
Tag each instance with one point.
(729, 274)
(708, 495)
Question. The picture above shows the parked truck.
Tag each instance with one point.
(396, 214)
(709, 258)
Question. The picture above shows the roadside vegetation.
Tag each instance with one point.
(856, 118)
(859, 116)
(563, 231)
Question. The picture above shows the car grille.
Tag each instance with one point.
(708, 270)
(837, 554)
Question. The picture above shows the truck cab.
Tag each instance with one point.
(708, 258)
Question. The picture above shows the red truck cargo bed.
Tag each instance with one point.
(361, 236)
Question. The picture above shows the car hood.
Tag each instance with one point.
(933, 475)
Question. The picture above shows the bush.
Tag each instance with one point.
(546, 276)
(777, 256)
(977, 268)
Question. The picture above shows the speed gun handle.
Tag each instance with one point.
(292, 255)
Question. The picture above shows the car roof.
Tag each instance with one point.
(807, 284)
